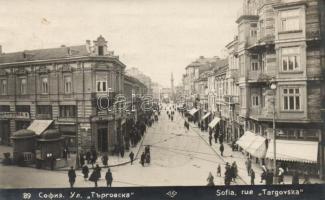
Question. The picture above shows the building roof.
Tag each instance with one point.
(45, 54)
(134, 80)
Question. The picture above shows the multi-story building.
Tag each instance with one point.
(136, 73)
(66, 85)
(280, 44)
(193, 72)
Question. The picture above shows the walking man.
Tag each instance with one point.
(109, 178)
(221, 148)
(252, 177)
(72, 176)
(131, 155)
(219, 170)
(210, 139)
(143, 156)
(248, 164)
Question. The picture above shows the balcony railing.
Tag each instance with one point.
(258, 76)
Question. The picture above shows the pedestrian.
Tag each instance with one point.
(109, 178)
(215, 135)
(233, 145)
(234, 171)
(281, 176)
(72, 176)
(248, 164)
(221, 148)
(131, 155)
(143, 156)
(295, 178)
(219, 170)
(95, 175)
(82, 159)
(263, 175)
(98, 170)
(105, 159)
(269, 177)
(210, 140)
(252, 177)
(227, 174)
(210, 180)
(85, 171)
(221, 138)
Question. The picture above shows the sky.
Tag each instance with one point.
(159, 37)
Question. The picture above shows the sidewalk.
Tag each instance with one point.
(231, 156)
(113, 160)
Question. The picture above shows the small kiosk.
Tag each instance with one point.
(24, 144)
(49, 151)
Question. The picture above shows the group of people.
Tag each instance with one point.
(170, 114)
(145, 156)
(94, 177)
(90, 157)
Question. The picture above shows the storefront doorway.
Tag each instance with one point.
(102, 140)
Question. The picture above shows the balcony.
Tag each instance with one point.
(258, 77)
(312, 35)
(230, 99)
(246, 13)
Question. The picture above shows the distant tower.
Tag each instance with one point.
(172, 87)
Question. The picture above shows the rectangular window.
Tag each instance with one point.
(3, 87)
(291, 99)
(290, 20)
(254, 63)
(255, 100)
(262, 28)
(100, 50)
(23, 86)
(101, 83)
(67, 84)
(68, 111)
(291, 59)
(44, 86)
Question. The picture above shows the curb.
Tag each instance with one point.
(119, 164)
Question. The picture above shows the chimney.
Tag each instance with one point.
(0, 49)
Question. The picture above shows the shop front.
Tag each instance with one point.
(294, 155)
(69, 132)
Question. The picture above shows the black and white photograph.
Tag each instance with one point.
(150, 93)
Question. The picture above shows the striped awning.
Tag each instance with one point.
(258, 147)
(193, 111)
(295, 151)
(205, 116)
(246, 140)
(39, 126)
(214, 122)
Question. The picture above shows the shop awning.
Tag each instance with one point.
(295, 151)
(193, 111)
(205, 116)
(214, 122)
(39, 126)
(258, 147)
(246, 140)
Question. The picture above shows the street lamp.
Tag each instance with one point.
(273, 87)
